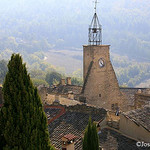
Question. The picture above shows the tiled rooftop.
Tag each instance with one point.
(64, 89)
(71, 123)
(112, 140)
(52, 112)
(63, 101)
(140, 116)
(69, 136)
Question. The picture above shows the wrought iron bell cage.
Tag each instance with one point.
(95, 31)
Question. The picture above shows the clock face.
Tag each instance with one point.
(101, 63)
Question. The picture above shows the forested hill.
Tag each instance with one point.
(34, 25)
(56, 30)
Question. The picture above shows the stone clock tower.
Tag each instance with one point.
(100, 83)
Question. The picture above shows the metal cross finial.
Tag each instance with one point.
(95, 5)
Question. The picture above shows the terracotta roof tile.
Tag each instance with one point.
(140, 116)
(70, 137)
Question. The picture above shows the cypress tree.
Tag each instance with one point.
(90, 140)
(23, 123)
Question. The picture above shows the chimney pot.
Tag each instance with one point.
(62, 81)
(68, 80)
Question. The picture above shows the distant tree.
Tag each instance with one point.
(38, 82)
(38, 74)
(5, 54)
(78, 73)
(133, 71)
(76, 81)
(23, 123)
(52, 78)
(90, 140)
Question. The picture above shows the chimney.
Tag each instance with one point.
(68, 142)
(68, 80)
(56, 102)
(139, 91)
(62, 82)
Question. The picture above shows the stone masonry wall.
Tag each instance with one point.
(102, 87)
(130, 96)
(141, 99)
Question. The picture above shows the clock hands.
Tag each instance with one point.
(101, 62)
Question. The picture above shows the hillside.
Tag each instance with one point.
(62, 26)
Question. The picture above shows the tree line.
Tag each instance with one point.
(40, 71)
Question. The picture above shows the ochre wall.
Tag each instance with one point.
(141, 99)
(129, 128)
(101, 81)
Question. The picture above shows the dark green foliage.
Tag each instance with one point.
(3, 70)
(90, 140)
(38, 74)
(76, 81)
(31, 37)
(130, 73)
(125, 25)
(23, 123)
(38, 82)
(52, 78)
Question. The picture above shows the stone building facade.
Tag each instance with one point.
(100, 87)
(142, 99)
(136, 124)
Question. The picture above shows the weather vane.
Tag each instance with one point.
(95, 5)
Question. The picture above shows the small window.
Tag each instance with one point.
(100, 95)
(112, 106)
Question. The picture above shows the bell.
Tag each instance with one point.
(94, 30)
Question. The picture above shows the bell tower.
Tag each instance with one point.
(100, 83)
